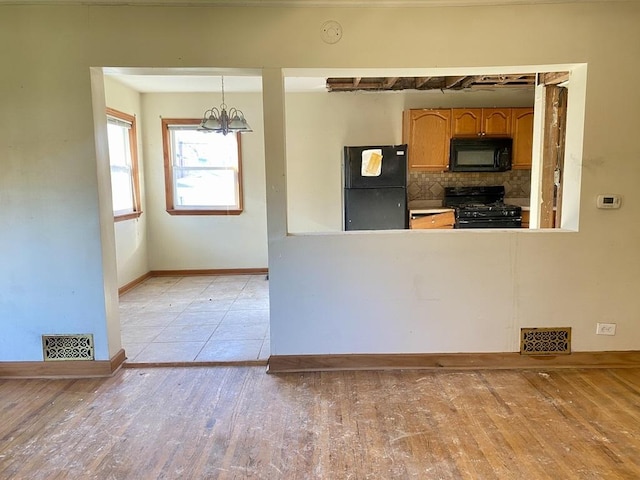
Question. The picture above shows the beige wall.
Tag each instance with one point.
(179, 242)
(330, 293)
(159, 241)
(131, 235)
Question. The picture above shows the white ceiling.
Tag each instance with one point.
(198, 82)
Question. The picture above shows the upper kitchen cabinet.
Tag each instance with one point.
(427, 132)
(522, 128)
(466, 121)
(480, 121)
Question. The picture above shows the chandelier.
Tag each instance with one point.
(221, 121)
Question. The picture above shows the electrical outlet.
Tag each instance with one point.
(606, 329)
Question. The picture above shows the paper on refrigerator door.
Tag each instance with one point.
(371, 162)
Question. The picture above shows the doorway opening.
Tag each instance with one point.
(193, 282)
(197, 318)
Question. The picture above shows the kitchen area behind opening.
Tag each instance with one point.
(442, 129)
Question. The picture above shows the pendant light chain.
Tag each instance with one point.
(224, 105)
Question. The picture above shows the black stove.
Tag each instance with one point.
(482, 207)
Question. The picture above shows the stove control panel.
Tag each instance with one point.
(608, 200)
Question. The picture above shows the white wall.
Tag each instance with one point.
(131, 235)
(333, 293)
(320, 124)
(177, 242)
(188, 242)
(455, 291)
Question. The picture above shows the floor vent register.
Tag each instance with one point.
(68, 347)
(545, 341)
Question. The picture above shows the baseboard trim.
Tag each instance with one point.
(117, 361)
(134, 283)
(452, 361)
(230, 363)
(209, 271)
(185, 273)
(65, 369)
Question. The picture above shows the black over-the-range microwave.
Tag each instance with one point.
(486, 154)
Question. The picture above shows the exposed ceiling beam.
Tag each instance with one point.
(466, 83)
(517, 80)
(389, 82)
(451, 82)
(554, 78)
(421, 81)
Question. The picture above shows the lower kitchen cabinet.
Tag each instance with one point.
(431, 218)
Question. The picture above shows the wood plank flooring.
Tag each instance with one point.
(240, 423)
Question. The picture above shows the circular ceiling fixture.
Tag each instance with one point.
(331, 32)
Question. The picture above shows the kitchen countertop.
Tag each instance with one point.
(424, 204)
(429, 211)
(431, 204)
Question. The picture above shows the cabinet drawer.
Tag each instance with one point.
(436, 220)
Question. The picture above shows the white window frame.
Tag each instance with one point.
(128, 122)
(170, 125)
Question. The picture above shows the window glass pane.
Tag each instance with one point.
(119, 150)
(121, 171)
(205, 169)
(121, 188)
(192, 148)
(205, 187)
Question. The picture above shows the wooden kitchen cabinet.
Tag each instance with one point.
(522, 129)
(480, 122)
(466, 122)
(427, 132)
(436, 218)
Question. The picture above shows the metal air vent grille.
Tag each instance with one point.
(68, 347)
(545, 341)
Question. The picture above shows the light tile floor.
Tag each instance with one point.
(198, 318)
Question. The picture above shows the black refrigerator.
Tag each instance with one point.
(375, 187)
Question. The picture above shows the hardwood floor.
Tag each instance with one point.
(240, 423)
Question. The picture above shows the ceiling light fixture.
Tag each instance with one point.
(219, 121)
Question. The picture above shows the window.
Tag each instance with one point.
(203, 174)
(125, 187)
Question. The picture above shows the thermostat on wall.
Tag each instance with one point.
(609, 200)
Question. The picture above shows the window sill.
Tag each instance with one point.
(127, 216)
(195, 211)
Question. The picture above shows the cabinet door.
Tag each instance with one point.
(496, 121)
(522, 128)
(427, 133)
(466, 121)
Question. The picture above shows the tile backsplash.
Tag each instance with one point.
(430, 185)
